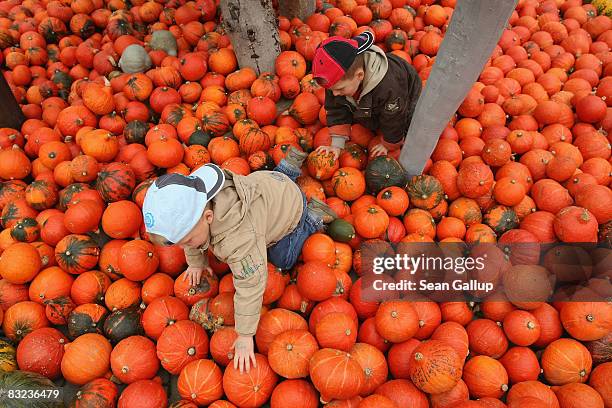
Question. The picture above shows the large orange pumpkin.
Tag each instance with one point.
(290, 353)
(485, 377)
(294, 393)
(19, 263)
(130, 366)
(180, 344)
(41, 351)
(436, 367)
(138, 260)
(250, 389)
(86, 358)
(565, 361)
(397, 321)
(201, 381)
(162, 312)
(22, 318)
(144, 393)
(348, 378)
(274, 322)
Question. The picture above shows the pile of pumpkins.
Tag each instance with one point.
(116, 93)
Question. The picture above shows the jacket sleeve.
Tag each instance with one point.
(248, 262)
(397, 107)
(336, 112)
(196, 257)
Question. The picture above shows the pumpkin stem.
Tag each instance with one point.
(418, 356)
(584, 217)
(590, 318)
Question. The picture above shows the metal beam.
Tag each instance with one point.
(473, 32)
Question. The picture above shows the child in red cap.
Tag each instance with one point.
(366, 86)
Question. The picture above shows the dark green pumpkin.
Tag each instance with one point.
(175, 114)
(99, 393)
(501, 219)
(115, 182)
(8, 360)
(383, 172)
(341, 230)
(42, 195)
(135, 131)
(11, 190)
(87, 318)
(25, 380)
(199, 137)
(425, 191)
(62, 80)
(26, 230)
(77, 253)
(66, 194)
(52, 32)
(123, 323)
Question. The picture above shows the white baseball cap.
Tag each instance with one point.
(174, 202)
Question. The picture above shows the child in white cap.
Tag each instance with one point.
(244, 220)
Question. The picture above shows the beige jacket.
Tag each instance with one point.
(251, 213)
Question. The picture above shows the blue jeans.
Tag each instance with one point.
(285, 253)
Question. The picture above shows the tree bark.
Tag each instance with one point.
(11, 115)
(252, 29)
(296, 8)
(474, 29)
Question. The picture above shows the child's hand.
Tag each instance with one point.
(378, 150)
(329, 149)
(195, 274)
(244, 353)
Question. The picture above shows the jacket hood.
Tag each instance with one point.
(376, 65)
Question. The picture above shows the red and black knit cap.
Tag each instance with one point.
(335, 55)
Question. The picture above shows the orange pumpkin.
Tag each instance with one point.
(252, 388)
(347, 381)
(129, 366)
(565, 361)
(138, 260)
(86, 358)
(19, 263)
(290, 353)
(201, 382)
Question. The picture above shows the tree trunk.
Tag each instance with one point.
(474, 29)
(296, 8)
(11, 115)
(252, 29)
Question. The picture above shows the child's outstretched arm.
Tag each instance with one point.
(339, 119)
(247, 258)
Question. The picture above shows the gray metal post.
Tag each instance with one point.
(473, 32)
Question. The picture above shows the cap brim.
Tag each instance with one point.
(213, 178)
(364, 41)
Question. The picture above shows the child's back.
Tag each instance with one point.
(366, 86)
(389, 93)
